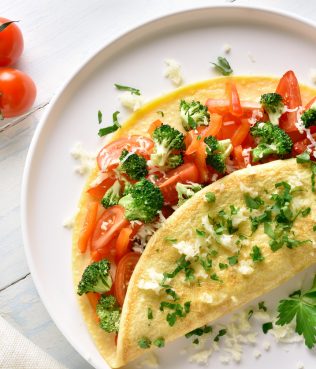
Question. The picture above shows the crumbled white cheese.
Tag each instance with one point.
(201, 357)
(86, 159)
(173, 72)
(131, 101)
(69, 222)
(234, 300)
(221, 187)
(226, 240)
(214, 177)
(152, 282)
(244, 267)
(257, 354)
(246, 189)
(266, 345)
(262, 316)
(300, 365)
(224, 359)
(226, 48)
(240, 217)
(201, 273)
(313, 75)
(189, 249)
(212, 299)
(285, 333)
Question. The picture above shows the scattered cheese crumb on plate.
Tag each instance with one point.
(173, 72)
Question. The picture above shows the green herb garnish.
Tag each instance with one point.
(221, 333)
(262, 306)
(210, 197)
(222, 66)
(266, 327)
(159, 342)
(115, 126)
(256, 254)
(133, 91)
(253, 202)
(144, 343)
(150, 315)
(232, 260)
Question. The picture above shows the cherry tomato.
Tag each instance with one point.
(11, 43)
(17, 92)
(185, 173)
(109, 155)
(289, 89)
(99, 190)
(107, 228)
(123, 274)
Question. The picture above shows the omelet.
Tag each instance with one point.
(202, 291)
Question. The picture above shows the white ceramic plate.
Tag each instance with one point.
(263, 43)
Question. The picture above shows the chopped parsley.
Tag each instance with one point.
(266, 327)
(182, 264)
(206, 262)
(253, 202)
(301, 306)
(232, 260)
(210, 197)
(99, 116)
(172, 293)
(161, 113)
(200, 233)
(171, 239)
(215, 278)
(262, 306)
(306, 212)
(159, 342)
(133, 91)
(250, 314)
(314, 228)
(256, 254)
(305, 158)
(220, 334)
(178, 311)
(222, 66)
(114, 127)
(150, 315)
(144, 343)
(199, 331)
(222, 266)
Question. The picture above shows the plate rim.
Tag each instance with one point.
(59, 92)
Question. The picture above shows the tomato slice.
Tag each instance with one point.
(107, 228)
(200, 161)
(185, 173)
(109, 155)
(221, 106)
(229, 129)
(289, 89)
(241, 133)
(123, 275)
(233, 98)
(301, 146)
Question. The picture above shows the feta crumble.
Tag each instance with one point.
(189, 249)
(173, 72)
(86, 159)
(245, 268)
(152, 282)
(131, 101)
(226, 48)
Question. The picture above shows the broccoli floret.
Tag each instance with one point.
(186, 191)
(272, 103)
(96, 278)
(309, 118)
(217, 152)
(167, 140)
(112, 195)
(109, 313)
(271, 140)
(142, 201)
(133, 165)
(193, 114)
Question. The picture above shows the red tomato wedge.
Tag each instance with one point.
(185, 173)
(233, 98)
(108, 157)
(123, 274)
(88, 226)
(289, 89)
(221, 106)
(301, 146)
(11, 43)
(107, 228)
(99, 190)
(195, 137)
(123, 242)
(241, 133)
(200, 162)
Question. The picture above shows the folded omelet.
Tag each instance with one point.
(216, 252)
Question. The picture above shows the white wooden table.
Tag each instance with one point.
(59, 36)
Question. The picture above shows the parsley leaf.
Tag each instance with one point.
(232, 260)
(133, 91)
(266, 327)
(302, 308)
(210, 197)
(159, 342)
(262, 306)
(199, 331)
(253, 202)
(150, 315)
(221, 333)
(107, 130)
(144, 343)
(256, 254)
(222, 66)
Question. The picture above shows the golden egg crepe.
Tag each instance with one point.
(184, 233)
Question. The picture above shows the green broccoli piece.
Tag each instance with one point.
(186, 191)
(271, 140)
(217, 153)
(109, 313)
(135, 166)
(272, 103)
(167, 140)
(142, 201)
(112, 195)
(96, 278)
(193, 114)
(309, 118)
